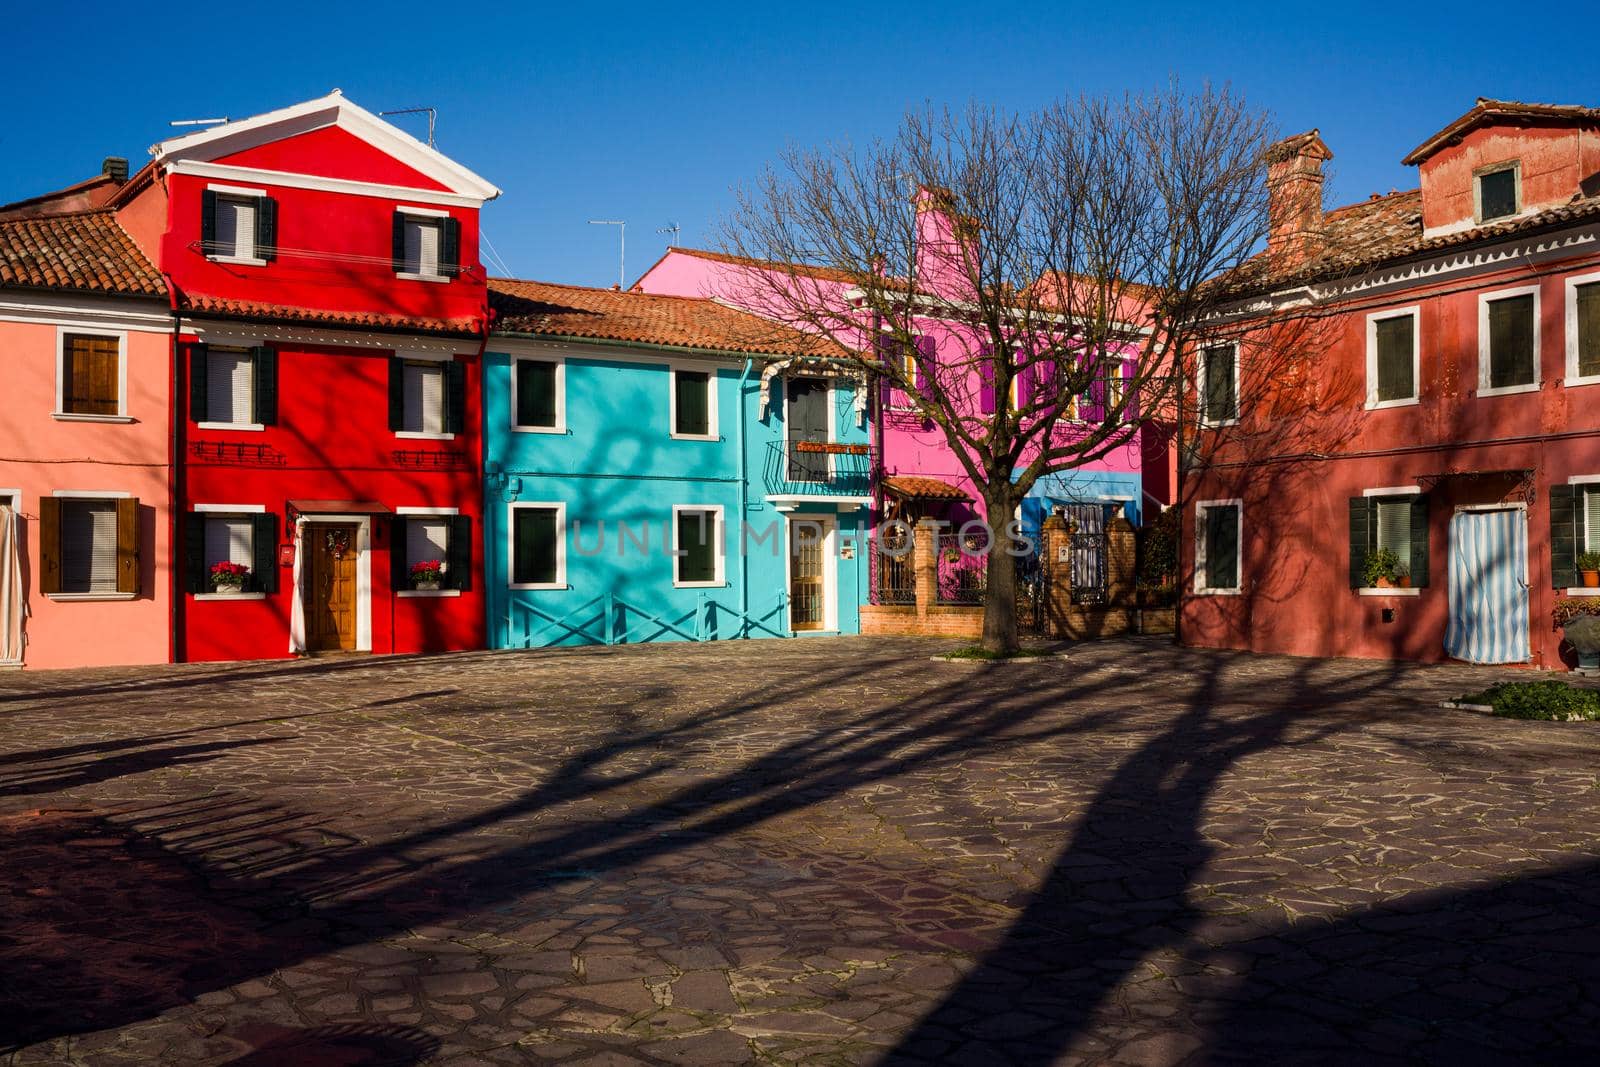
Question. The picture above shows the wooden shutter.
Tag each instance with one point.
(264, 366)
(1361, 521)
(1588, 326)
(926, 361)
(199, 364)
(1420, 560)
(536, 393)
(195, 578)
(449, 247)
(1221, 401)
(1511, 355)
(208, 222)
(692, 402)
(455, 396)
(264, 549)
(1222, 546)
(697, 531)
(398, 243)
(1563, 536)
(1394, 338)
(266, 228)
(91, 378)
(458, 572)
(397, 393)
(534, 555)
(49, 545)
(399, 560)
(128, 545)
(986, 377)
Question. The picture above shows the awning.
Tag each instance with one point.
(338, 507)
(916, 487)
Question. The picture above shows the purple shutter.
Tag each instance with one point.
(927, 353)
(986, 380)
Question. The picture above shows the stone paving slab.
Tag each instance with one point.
(823, 850)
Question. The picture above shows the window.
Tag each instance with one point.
(1219, 386)
(1508, 341)
(233, 387)
(91, 375)
(426, 245)
(1583, 327)
(1392, 519)
(696, 545)
(1591, 518)
(1498, 192)
(439, 536)
(913, 360)
(1574, 528)
(693, 404)
(89, 546)
(240, 534)
(538, 546)
(427, 398)
(538, 385)
(1392, 358)
(238, 225)
(1217, 554)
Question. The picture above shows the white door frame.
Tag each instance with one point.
(363, 525)
(830, 570)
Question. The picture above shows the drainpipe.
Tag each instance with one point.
(744, 499)
(175, 488)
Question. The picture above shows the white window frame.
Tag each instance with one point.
(250, 427)
(444, 398)
(710, 371)
(422, 215)
(426, 513)
(561, 394)
(1585, 482)
(561, 544)
(11, 498)
(61, 374)
(718, 544)
(223, 511)
(1513, 165)
(1200, 387)
(1571, 295)
(239, 192)
(92, 494)
(1373, 403)
(1200, 507)
(1484, 300)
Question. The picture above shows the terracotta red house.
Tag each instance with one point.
(330, 315)
(1424, 485)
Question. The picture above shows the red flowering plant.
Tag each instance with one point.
(428, 570)
(229, 574)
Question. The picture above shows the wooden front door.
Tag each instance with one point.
(808, 604)
(330, 586)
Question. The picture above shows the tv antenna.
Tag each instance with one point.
(622, 255)
(432, 114)
(672, 228)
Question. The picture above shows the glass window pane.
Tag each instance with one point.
(424, 384)
(533, 549)
(536, 393)
(697, 542)
(1396, 371)
(229, 386)
(1394, 527)
(1511, 341)
(422, 246)
(427, 541)
(1497, 194)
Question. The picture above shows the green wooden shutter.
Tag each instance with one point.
(398, 242)
(697, 531)
(450, 247)
(1361, 520)
(458, 548)
(1420, 561)
(693, 411)
(266, 228)
(1588, 329)
(264, 549)
(536, 393)
(399, 560)
(1511, 355)
(455, 406)
(1394, 338)
(264, 368)
(1221, 401)
(534, 552)
(397, 393)
(198, 365)
(208, 222)
(1563, 536)
(1222, 546)
(196, 580)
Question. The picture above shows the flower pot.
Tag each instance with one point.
(1384, 583)
(426, 587)
(227, 590)
(1591, 579)
(1405, 581)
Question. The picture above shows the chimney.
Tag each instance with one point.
(941, 233)
(1294, 194)
(115, 168)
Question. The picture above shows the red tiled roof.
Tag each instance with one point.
(216, 307)
(1487, 112)
(547, 308)
(917, 487)
(87, 251)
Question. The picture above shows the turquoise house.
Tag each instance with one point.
(663, 468)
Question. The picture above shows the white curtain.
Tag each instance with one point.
(297, 605)
(12, 606)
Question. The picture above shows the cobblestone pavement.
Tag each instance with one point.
(829, 851)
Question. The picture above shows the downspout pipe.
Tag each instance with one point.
(744, 497)
(176, 608)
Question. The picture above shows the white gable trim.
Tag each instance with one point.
(331, 110)
(286, 180)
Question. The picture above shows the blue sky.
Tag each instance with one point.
(653, 113)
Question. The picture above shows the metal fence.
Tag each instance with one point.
(963, 568)
(891, 578)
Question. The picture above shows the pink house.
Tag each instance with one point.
(920, 475)
(85, 325)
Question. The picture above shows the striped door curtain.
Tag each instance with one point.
(1488, 587)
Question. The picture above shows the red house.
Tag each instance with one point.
(330, 313)
(1425, 484)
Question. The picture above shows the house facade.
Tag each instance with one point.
(666, 468)
(331, 315)
(85, 445)
(1425, 488)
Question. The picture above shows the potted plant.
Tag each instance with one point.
(1579, 620)
(1402, 574)
(228, 578)
(1382, 568)
(1589, 568)
(427, 574)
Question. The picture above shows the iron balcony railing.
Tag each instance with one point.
(797, 468)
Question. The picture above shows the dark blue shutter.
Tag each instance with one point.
(267, 228)
(397, 393)
(198, 365)
(264, 372)
(1361, 519)
(264, 548)
(208, 222)
(398, 242)
(1420, 561)
(455, 393)
(196, 580)
(450, 247)
(458, 547)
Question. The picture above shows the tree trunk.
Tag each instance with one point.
(1000, 597)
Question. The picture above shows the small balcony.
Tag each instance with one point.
(798, 471)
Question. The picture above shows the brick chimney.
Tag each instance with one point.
(1294, 194)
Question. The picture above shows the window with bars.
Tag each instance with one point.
(1394, 521)
(91, 374)
(1217, 555)
(1393, 364)
(538, 555)
(696, 546)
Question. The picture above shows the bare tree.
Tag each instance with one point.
(1030, 300)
